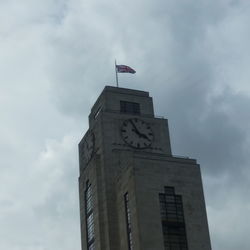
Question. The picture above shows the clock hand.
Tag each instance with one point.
(135, 128)
(141, 135)
(144, 136)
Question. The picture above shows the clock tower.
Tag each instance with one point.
(134, 194)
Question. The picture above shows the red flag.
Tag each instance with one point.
(124, 69)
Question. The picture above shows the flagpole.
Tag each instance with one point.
(116, 75)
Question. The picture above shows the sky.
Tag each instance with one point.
(56, 56)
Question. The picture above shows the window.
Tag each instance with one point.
(173, 224)
(89, 217)
(97, 112)
(130, 107)
(128, 222)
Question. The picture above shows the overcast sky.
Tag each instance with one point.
(56, 56)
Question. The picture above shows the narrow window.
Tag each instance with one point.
(173, 224)
(97, 112)
(130, 107)
(89, 217)
(128, 222)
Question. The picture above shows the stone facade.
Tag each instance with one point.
(114, 169)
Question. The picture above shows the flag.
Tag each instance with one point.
(124, 69)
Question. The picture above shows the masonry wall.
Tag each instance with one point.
(116, 168)
(151, 176)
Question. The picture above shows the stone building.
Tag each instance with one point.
(134, 194)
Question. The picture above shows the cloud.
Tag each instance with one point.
(56, 57)
(42, 199)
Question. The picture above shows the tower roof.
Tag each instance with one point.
(111, 97)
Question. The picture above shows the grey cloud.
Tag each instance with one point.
(56, 58)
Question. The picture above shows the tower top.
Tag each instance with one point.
(122, 100)
(125, 91)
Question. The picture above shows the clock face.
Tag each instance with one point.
(137, 133)
(88, 147)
